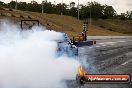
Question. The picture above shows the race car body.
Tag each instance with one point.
(66, 47)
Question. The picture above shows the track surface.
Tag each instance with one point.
(108, 56)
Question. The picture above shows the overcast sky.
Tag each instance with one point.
(121, 6)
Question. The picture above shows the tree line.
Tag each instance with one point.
(91, 9)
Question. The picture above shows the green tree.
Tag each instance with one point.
(22, 6)
(93, 9)
(12, 4)
(109, 12)
(61, 8)
(73, 12)
(1, 4)
(129, 15)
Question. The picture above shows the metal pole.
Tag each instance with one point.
(62, 8)
(78, 10)
(91, 14)
(42, 6)
(11, 4)
(16, 4)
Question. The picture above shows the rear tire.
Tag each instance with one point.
(81, 80)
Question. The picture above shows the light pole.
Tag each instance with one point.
(62, 8)
(78, 10)
(42, 6)
(16, 4)
(11, 4)
(91, 13)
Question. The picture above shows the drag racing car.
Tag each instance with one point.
(65, 47)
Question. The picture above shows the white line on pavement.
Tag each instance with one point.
(104, 45)
(97, 46)
(81, 48)
(108, 43)
(122, 41)
(90, 47)
(111, 43)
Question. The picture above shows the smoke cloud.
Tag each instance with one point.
(28, 59)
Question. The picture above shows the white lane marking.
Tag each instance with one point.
(107, 43)
(81, 48)
(111, 43)
(122, 41)
(104, 45)
(126, 62)
(130, 40)
(91, 47)
(97, 46)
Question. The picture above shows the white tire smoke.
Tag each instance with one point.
(28, 59)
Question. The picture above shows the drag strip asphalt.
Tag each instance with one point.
(108, 56)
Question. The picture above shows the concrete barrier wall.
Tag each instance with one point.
(107, 37)
(84, 43)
